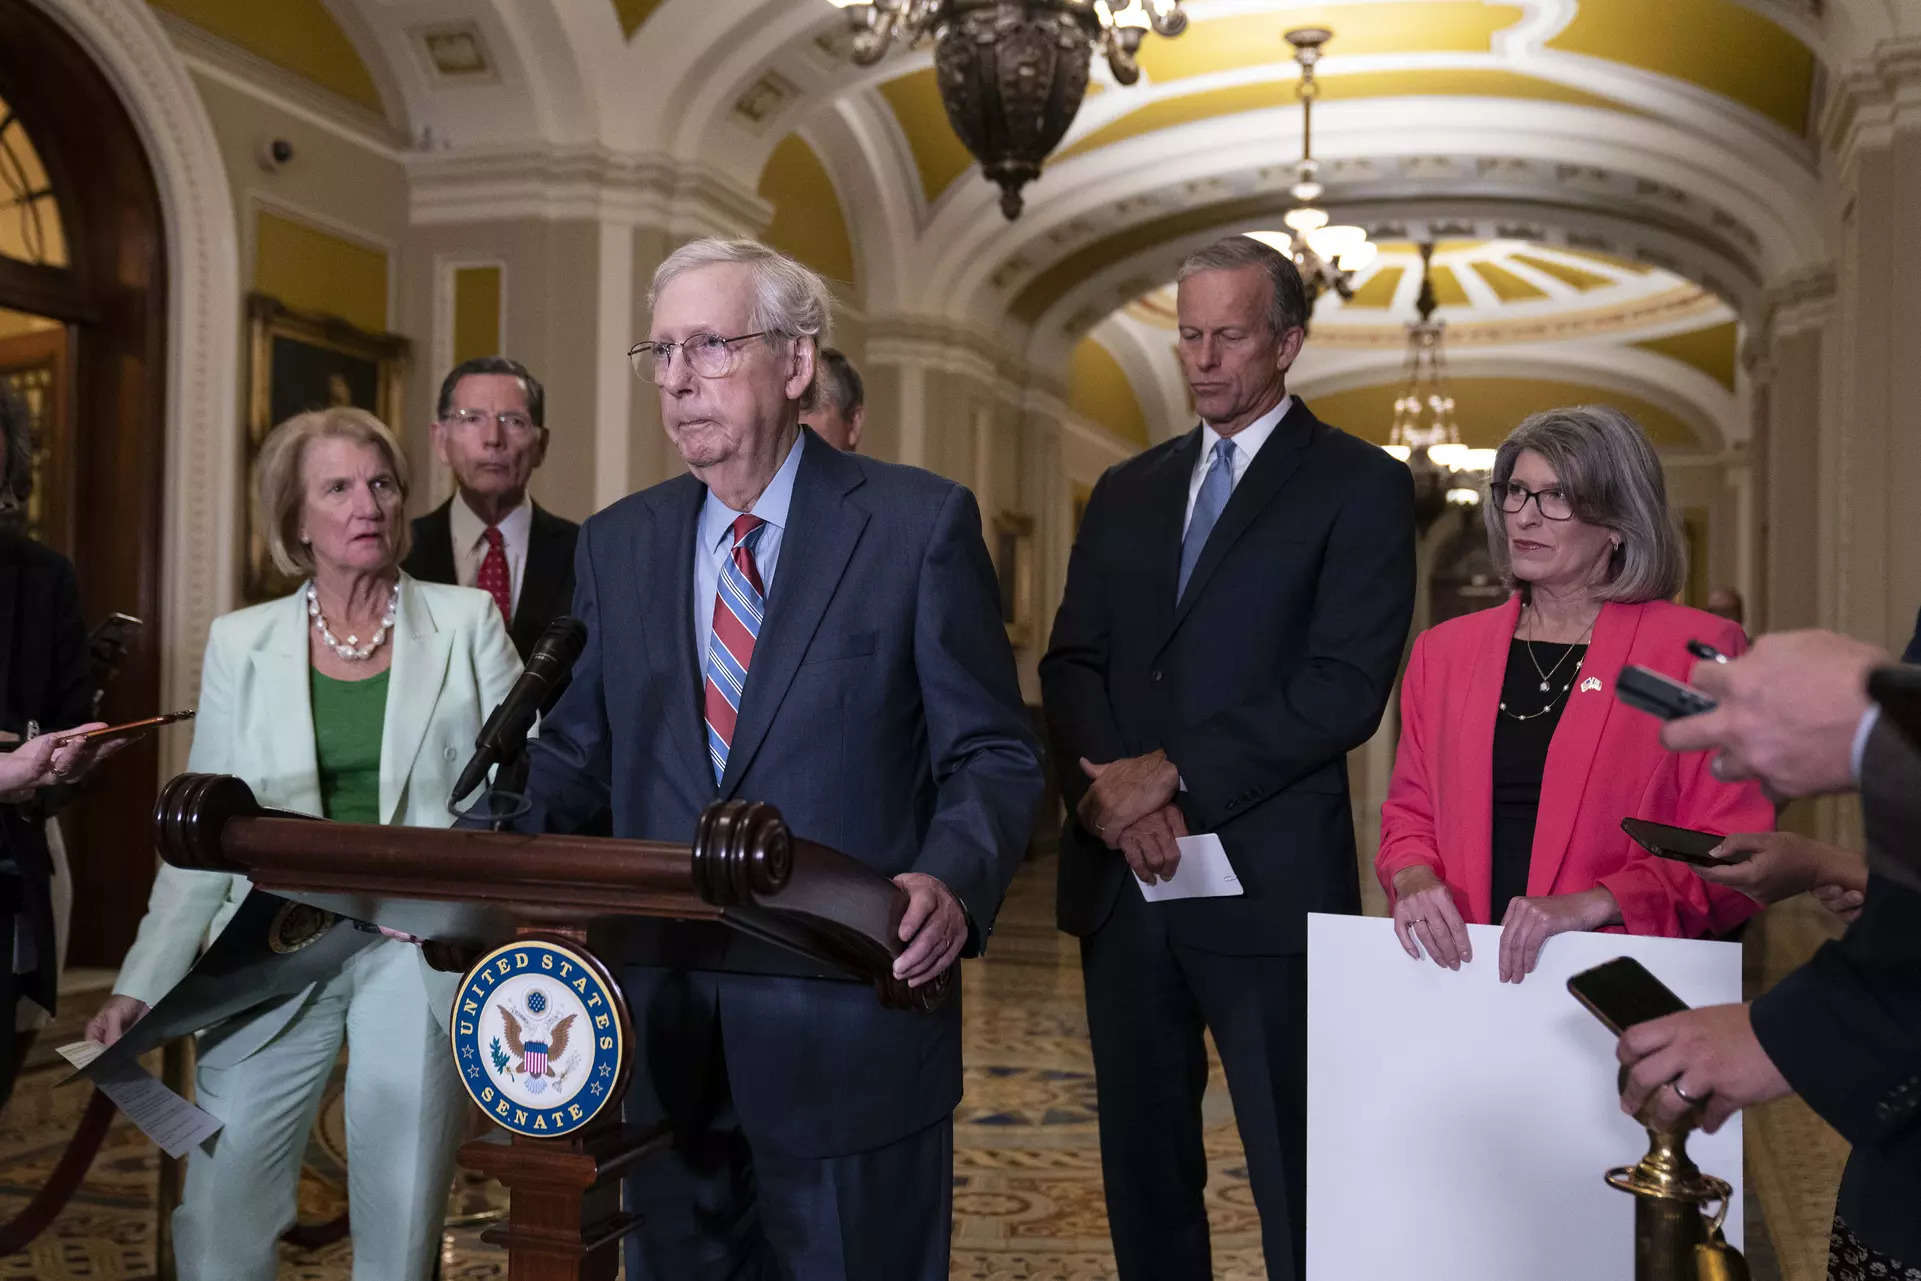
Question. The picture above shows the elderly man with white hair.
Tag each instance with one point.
(791, 624)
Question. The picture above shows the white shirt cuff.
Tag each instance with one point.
(1869, 719)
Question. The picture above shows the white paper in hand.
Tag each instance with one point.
(174, 1124)
(1203, 872)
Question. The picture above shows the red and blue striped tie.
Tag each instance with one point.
(730, 648)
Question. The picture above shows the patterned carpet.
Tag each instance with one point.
(1027, 1187)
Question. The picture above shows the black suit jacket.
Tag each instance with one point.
(44, 677)
(1277, 662)
(881, 715)
(546, 585)
(1845, 1029)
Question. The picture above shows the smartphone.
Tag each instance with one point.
(1683, 844)
(1663, 696)
(1622, 993)
(114, 634)
(1898, 689)
(132, 729)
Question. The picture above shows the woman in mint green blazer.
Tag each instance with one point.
(357, 698)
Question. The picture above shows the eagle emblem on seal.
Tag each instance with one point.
(535, 1045)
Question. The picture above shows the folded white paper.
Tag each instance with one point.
(1203, 872)
(174, 1124)
(81, 1053)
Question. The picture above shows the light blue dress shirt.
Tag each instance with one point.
(714, 542)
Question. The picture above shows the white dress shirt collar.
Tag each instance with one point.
(467, 532)
(468, 527)
(1249, 439)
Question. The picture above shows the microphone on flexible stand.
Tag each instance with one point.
(549, 669)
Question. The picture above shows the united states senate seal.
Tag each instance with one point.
(540, 1037)
(296, 925)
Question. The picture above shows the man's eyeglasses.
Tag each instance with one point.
(708, 355)
(1552, 503)
(513, 422)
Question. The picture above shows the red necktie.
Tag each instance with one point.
(493, 578)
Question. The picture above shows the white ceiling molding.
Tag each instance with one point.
(580, 183)
(542, 88)
(369, 41)
(1875, 99)
(1560, 150)
(1598, 226)
(228, 64)
(852, 141)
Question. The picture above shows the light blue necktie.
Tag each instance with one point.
(1215, 488)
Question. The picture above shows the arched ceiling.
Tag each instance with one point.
(1672, 134)
(299, 36)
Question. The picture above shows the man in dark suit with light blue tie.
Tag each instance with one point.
(1237, 600)
(822, 632)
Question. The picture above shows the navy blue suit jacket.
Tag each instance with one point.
(881, 716)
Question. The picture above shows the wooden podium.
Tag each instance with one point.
(743, 870)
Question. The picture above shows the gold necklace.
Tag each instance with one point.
(1554, 695)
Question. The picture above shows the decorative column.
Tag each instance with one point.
(1785, 359)
(1870, 445)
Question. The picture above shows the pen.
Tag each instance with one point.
(1706, 652)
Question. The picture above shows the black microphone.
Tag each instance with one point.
(549, 668)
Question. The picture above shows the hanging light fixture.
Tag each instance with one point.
(1426, 435)
(1012, 72)
(1327, 254)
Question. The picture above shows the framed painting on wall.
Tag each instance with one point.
(298, 361)
(1014, 565)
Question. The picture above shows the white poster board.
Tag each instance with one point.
(1459, 1127)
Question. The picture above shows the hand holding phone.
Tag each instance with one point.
(131, 729)
(1622, 993)
(1682, 844)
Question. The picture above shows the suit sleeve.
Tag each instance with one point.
(1080, 720)
(1665, 898)
(570, 764)
(184, 902)
(986, 762)
(1891, 804)
(1408, 836)
(1845, 1029)
(1332, 699)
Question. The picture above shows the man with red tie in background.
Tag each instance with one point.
(489, 427)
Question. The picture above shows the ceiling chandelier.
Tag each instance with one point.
(1327, 254)
(1425, 434)
(1012, 72)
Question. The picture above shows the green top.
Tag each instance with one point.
(348, 720)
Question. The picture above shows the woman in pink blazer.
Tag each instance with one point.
(1516, 762)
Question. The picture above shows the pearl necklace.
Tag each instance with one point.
(351, 649)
